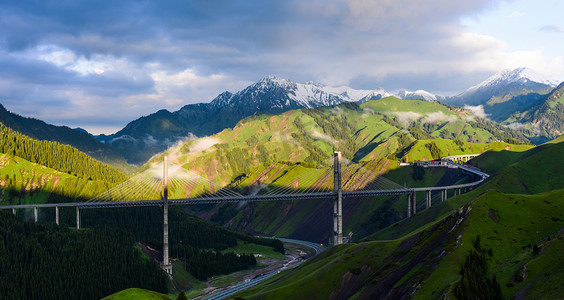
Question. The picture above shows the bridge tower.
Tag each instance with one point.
(166, 262)
(338, 202)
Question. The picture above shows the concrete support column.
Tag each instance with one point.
(167, 267)
(35, 214)
(57, 215)
(428, 198)
(408, 205)
(14, 211)
(77, 218)
(338, 202)
(414, 203)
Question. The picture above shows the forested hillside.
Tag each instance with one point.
(81, 140)
(63, 158)
(49, 262)
(198, 243)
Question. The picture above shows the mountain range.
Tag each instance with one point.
(518, 98)
(511, 97)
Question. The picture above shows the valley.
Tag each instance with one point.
(510, 224)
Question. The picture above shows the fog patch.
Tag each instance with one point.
(366, 112)
(515, 125)
(406, 117)
(337, 111)
(438, 117)
(319, 135)
(203, 144)
(477, 110)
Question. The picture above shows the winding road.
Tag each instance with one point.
(245, 285)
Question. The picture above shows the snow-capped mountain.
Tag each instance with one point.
(521, 76)
(146, 136)
(504, 86)
(277, 93)
(418, 95)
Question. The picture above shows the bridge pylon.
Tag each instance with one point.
(167, 267)
(338, 201)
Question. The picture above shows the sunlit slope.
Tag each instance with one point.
(295, 148)
(427, 264)
(23, 182)
(508, 224)
(535, 171)
(33, 171)
(386, 128)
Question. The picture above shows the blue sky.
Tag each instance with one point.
(101, 64)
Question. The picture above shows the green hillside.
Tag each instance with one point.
(514, 237)
(78, 139)
(274, 150)
(134, 293)
(545, 120)
(35, 171)
(63, 158)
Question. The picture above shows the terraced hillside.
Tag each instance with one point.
(486, 242)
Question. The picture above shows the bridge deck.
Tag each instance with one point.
(214, 200)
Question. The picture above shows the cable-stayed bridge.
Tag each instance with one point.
(338, 180)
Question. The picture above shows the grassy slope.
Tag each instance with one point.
(38, 184)
(134, 294)
(507, 223)
(258, 142)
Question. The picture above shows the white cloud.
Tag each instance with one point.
(406, 117)
(439, 117)
(203, 144)
(477, 110)
(320, 135)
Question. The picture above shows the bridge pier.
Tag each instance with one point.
(14, 211)
(408, 205)
(428, 198)
(57, 215)
(35, 214)
(338, 202)
(167, 267)
(77, 218)
(414, 203)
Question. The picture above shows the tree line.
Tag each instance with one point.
(51, 262)
(63, 158)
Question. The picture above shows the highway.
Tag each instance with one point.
(245, 285)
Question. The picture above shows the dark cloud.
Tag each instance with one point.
(141, 56)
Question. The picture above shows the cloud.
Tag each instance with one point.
(477, 110)
(118, 61)
(439, 117)
(320, 135)
(203, 144)
(552, 28)
(406, 117)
